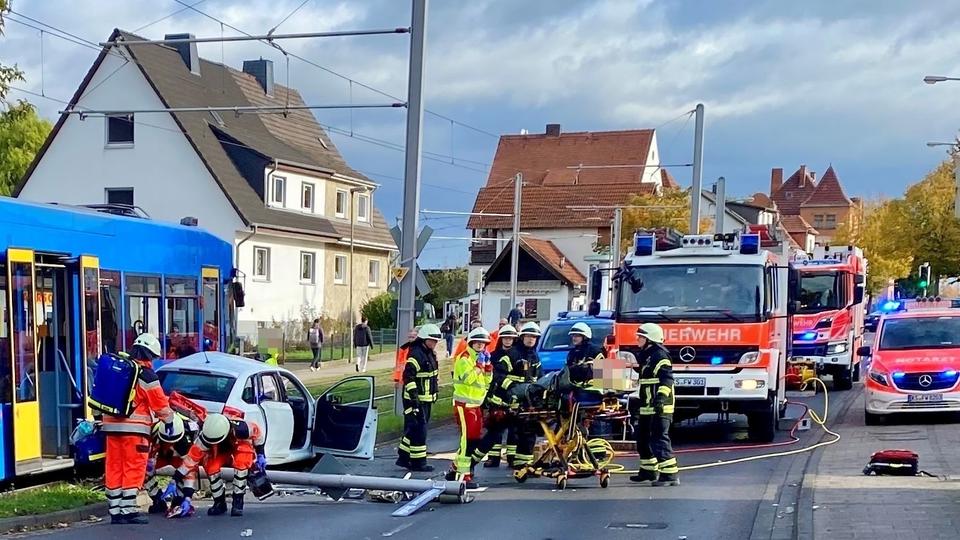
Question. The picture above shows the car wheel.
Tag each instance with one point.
(844, 380)
(873, 419)
(762, 425)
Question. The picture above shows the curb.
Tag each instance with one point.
(41, 521)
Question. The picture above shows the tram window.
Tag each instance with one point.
(182, 337)
(211, 312)
(91, 306)
(24, 331)
(5, 395)
(143, 315)
(110, 310)
(143, 285)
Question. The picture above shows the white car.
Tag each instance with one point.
(342, 421)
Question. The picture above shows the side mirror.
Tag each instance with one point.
(793, 284)
(858, 295)
(864, 351)
(793, 307)
(596, 285)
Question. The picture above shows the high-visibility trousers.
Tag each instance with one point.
(470, 422)
(241, 458)
(125, 469)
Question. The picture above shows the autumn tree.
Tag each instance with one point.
(879, 232)
(22, 133)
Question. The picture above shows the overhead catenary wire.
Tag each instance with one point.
(266, 37)
(237, 109)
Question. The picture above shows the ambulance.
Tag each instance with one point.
(828, 327)
(724, 302)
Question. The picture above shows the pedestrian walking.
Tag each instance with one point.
(315, 337)
(419, 395)
(654, 409)
(448, 329)
(515, 315)
(362, 340)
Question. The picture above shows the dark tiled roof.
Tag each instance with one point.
(796, 224)
(762, 200)
(794, 191)
(553, 259)
(829, 192)
(546, 207)
(667, 180)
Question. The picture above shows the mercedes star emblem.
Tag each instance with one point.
(925, 380)
(688, 353)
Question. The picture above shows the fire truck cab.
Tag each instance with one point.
(723, 302)
(828, 326)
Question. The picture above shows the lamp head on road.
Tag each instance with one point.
(934, 79)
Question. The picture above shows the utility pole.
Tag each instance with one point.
(695, 192)
(615, 241)
(353, 223)
(411, 182)
(515, 246)
(719, 192)
(956, 181)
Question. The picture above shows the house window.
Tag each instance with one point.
(119, 196)
(340, 269)
(278, 185)
(306, 266)
(306, 196)
(818, 220)
(261, 263)
(831, 221)
(373, 280)
(120, 130)
(363, 207)
(341, 210)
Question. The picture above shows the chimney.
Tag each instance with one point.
(188, 51)
(553, 130)
(262, 70)
(776, 180)
(803, 176)
(813, 176)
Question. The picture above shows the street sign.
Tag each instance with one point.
(422, 286)
(399, 273)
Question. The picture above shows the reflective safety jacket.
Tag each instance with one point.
(580, 361)
(201, 451)
(656, 377)
(149, 405)
(470, 381)
(518, 364)
(420, 374)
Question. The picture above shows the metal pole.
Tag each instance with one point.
(721, 204)
(353, 221)
(697, 171)
(615, 242)
(515, 247)
(411, 181)
(956, 182)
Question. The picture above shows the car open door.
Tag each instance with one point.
(345, 419)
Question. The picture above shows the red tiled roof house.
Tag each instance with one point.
(823, 206)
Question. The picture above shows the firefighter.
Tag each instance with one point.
(128, 438)
(507, 370)
(419, 394)
(472, 373)
(225, 442)
(581, 357)
(529, 371)
(170, 449)
(463, 344)
(493, 458)
(654, 409)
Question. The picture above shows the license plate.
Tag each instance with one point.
(922, 398)
(690, 381)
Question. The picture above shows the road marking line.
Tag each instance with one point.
(397, 529)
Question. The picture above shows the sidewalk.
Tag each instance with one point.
(848, 505)
(339, 369)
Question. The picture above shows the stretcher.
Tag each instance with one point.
(568, 452)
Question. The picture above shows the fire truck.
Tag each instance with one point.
(724, 303)
(828, 326)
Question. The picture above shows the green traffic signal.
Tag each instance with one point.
(922, 283)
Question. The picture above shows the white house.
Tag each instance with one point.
(274, 185)
(571, 184)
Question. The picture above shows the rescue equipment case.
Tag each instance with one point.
(893, 462)
(114, 385)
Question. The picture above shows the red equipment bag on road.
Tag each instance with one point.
(893, 462)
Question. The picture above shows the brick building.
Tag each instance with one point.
(822, 205)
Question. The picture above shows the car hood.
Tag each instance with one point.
(917, 360)
(553, 360)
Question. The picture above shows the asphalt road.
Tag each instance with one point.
(726, 502)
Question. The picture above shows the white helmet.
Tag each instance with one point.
(479, 334)
(530, 329)
(581, 329)
(430, 331)
(216, 427)
(150, 343)
(651, 331)
(160, 430)
(508, 330)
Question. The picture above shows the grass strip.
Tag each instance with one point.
(47, 499)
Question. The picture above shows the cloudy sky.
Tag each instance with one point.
(784, 84)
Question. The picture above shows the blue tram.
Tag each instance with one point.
(75, 283)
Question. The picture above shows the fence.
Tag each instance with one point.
(336, 346)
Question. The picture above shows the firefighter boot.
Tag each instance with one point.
(644, 476)
(159, 506)
(667, 480)
(492, 462)
(236, 509)
(219, 506)
(135, 519)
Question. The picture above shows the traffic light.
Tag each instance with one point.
(922, 283)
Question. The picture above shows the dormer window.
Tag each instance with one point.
(341, 210)
(363, 207)
(278, 186)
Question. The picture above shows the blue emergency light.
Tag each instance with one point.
(643, 244)
(716, 360)
(750, 244)
(950, 373)
(890, 305)
(809, 335)
(899, 375)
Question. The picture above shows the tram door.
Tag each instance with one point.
(21, 377)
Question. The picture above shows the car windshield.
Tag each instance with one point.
(821, 291)
(558, 339)
(693, 291)
(197, 385)
(920, 333)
